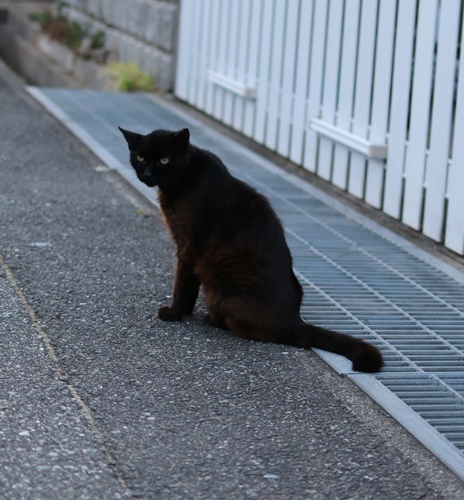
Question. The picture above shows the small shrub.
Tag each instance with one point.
(70, 33)
(97, 40)
(40, 17)
(128, 77)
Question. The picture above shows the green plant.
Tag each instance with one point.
(40, 17)
(128, 77)
(60, 28)
(97, 40)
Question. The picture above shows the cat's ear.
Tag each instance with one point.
(183, 137)
(132, 138)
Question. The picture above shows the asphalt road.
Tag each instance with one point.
(100, 399)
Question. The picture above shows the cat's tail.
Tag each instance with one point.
(365, 357)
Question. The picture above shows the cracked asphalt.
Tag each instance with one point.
(100, 399)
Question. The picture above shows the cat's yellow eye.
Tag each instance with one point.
(164, 161)
(141, 159)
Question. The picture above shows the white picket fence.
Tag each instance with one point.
(367, 94)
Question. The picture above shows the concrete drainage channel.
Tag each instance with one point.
(358, 277)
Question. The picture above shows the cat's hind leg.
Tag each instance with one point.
(250, 331)
(215, 320)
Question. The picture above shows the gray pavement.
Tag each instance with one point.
(100, 399)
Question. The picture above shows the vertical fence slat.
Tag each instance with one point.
(301, 80)
(194, 63)
(331, 75)
(346, 92)
(252, 64)
(289, 60)
(231, 60)
(182, 69)
(441, 119)
(420, 112)
(362, 101)
(202, 67)
(212, 55)
(399, 108)
(315, 81)
(221, 60)
(272, 119)
(455, 220)
(263, 76)
(242, 52)
(191, 77)
(381, 99)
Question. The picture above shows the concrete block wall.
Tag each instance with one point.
(143, 31)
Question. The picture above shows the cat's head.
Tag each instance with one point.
(159, 158)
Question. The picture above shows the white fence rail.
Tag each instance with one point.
(367, 94)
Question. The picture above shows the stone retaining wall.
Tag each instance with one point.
(41, 60)
(143, 31)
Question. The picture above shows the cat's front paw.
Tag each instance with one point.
(169, 314)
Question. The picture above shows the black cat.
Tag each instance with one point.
(230, 241)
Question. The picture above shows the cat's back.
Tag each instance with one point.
(214, 206)
(236, 214)
(229, 198)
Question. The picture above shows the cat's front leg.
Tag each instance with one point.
(186, 288)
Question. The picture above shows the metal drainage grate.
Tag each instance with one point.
(432, 401)
(358, 277)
